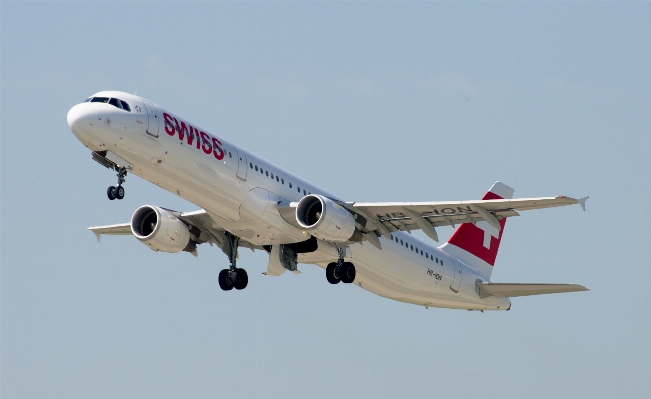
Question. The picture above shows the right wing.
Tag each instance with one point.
(407, 216)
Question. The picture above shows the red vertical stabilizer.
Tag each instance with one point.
(477, 245)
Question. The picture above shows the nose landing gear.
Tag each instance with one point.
(340, 270)
(117, 192)
(233, 277)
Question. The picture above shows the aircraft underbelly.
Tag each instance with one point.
(179, 171)
(386, 273)
(218, 193)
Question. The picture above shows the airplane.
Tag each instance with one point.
(249, 202)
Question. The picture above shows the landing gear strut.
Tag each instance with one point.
(117, 191)
(340, 270)
(233, 277)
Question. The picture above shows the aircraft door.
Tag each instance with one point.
(242, 166)
(153, 119)
(457, 276)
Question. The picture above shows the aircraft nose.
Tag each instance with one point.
(79, 117)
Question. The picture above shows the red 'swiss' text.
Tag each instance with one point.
(201, 140)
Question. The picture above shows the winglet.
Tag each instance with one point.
(582, 202)
(97, 233)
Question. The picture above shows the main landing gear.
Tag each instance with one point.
(117, 192)
(340, 270)
(233, 277)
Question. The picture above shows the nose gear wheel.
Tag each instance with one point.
(117, 191)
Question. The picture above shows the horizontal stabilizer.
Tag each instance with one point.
(509, 290)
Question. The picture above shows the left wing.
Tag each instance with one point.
(113, 229)
(202, 229)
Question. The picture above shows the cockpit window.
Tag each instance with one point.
(88, 99)
(115, 102)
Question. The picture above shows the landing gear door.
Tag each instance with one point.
(241, 165)
(457, 276)
(153, 119)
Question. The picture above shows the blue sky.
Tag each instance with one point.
(374, 101)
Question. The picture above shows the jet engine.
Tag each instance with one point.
(326, 220)
(159, 229)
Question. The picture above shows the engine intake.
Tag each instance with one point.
(159, 229)
(326, 220)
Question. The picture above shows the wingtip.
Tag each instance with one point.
(582, 202)
(97, 234)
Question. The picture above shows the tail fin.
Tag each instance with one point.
(477, 245)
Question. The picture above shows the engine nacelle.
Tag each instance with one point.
(325, 219)
(159, 229)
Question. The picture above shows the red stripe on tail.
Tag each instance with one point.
(475, 238)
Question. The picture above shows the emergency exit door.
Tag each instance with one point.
(457, 276)
(242, 166)
(153, 119)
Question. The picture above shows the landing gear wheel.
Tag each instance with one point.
(331, 273)
(232, 277)
(117, 191)
(347, 272)
(111, 193)
(240, 279)
(224, 280)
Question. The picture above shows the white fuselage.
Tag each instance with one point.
(238, 191)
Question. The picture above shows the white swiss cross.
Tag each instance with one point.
(489, 231)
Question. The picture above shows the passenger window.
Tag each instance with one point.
(261, 171)
(426, 255)
(421, 252)
(277, 179)
(400, 242)
(272, 175)
(416, 249)
(251, 165)
(282, 181)
(441, 262)
(304, 192)
(115, 102)
(256, 168)
(267, 172)
(299, 189)
(437, 260)
(125, 106)
(290, 185)
(99, 100)
(230, 155)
